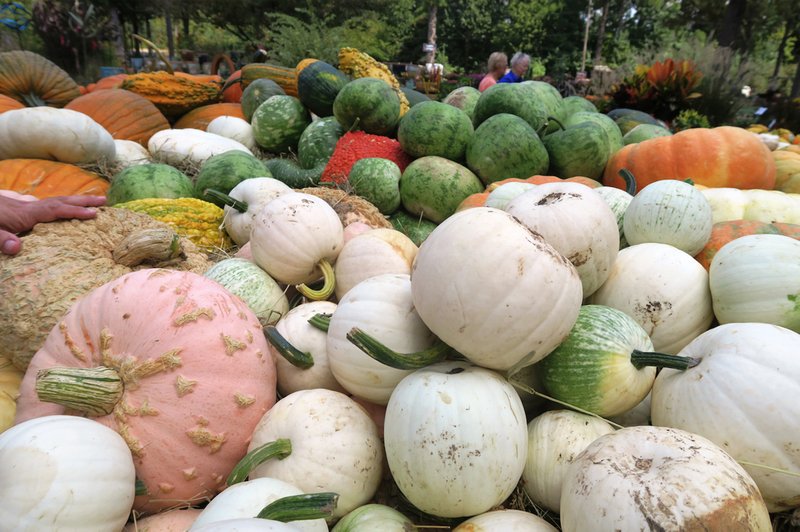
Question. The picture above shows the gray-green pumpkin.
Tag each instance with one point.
(151, 180)
(225, 170)
(377, 181)
(258, 92)
(435, 128)
(433, 187)
(368, 104)
(464, 98)
(644, 132)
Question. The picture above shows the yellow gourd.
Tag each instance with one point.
(193, 218)
(361, 65)
(173, 95)
(10, 377)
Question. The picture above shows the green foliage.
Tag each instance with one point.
(688, 119)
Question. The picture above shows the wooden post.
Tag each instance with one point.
(586, 36)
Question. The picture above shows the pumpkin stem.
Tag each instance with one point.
(327, 288)
(240, 206)
(33, 100)
(378, 351)
(630, 181)
(151, 44)
(641, 359)
(301, 507)
(320, 321)
(296, 358)
(554, 119)
(90, 391)
(148, 245)
(279, 449)
(141, 488)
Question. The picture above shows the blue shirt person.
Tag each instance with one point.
(520, 63)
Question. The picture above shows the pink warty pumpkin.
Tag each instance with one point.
(196, 376)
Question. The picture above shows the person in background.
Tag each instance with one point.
(497, 64)
(520, 63)
(17, 215)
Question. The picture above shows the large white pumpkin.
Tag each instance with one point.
(456, 439)
(577, 222)
(756, 278)
(658, 478)
(743, 396)
(494, 290)
(664, 289)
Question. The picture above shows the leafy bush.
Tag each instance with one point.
(688, 119)
(662, 89)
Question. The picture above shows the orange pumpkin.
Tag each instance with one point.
(724, 156)
(45, 179)
(473, 200)
(34, 80)
(541, 179)
(200, 117)
(724, 232)
(7, 104)
(232, 93)
(108, 82)
(125, 114)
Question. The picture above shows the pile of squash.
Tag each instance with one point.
(257, 352)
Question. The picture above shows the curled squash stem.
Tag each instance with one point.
(378, 351)
(641, 359)
(630, 181)
(327, 287)
(240, 206)
(279, 449)
(301, 507)
(296, 358)
(151, 44)
(320, 321)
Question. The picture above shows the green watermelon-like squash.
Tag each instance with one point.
(628, 119)
(414, 97)
(258, 92)
(644, 132)
(573, 104)
(548, 96)
(433, 187)
(317, 87)
(292, 174)
(512, 98)
(506, 146)
(435, 128)
(414, 227)
(224, 171)
(152, 180)
(580, 150)
(465, 98)
(377, 181)
(318, 141)
(609, 126)
(369, 105)
(279, 122)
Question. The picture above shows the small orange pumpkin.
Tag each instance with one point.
(200, 117)
(108, 82)
(723, 156)
(125, 114)
(45, 179)
(232, 93)
(724, 232)
(541, 179)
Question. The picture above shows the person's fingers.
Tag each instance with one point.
(81, 201)
(49, 212)
(10, 244)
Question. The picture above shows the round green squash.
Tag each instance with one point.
(318, 141)
(279, 122)
(377, 181)
(644, 132)
(512, 98)
(435, 128)
(414, 227)
(224, 171)
(433, 187)
(579, 150)
(505, 146)
(368, 104)
(609, 126)
(465, 98)
(258, 92)
(414, 97)
(292, 174)
(152, 180)
(317, 87)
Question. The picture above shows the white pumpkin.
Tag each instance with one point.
(670, 212)
(762, 205)
(756, 278)
(254, 193)
(250, 524)
(657, 478)
(129, 153)
(505, 521)
(372, 517)
(55, 134)
(335, 446)
(296, 238)
(296, 330)
(555, 438)
(247, 499)
(234, 128)
(456, 439)
(500, 197)
(381, 306)
(577, 222)
(266, 298)
(493, 290)
(64, 473)
(743, 396)
(664, 289)
(177, 520)
(618, 200)
(189, 147)
(372, 253)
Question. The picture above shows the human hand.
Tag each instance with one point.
(17, 216)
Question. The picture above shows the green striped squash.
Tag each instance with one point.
(317, 87)
(318, 141)
(279, 122)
